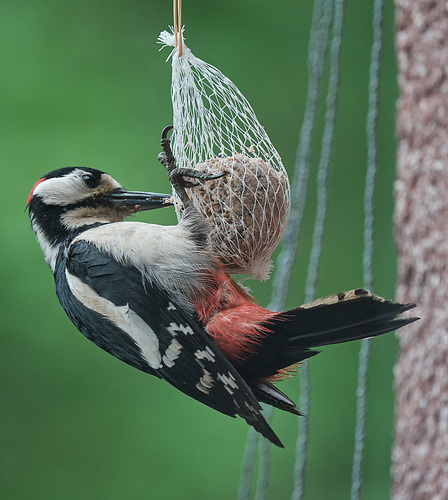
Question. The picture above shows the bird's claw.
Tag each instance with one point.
(177, 175)
(166, 158)
(194, 174)
(165, 131)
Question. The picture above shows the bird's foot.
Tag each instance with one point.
(194, 174)
(177, 175)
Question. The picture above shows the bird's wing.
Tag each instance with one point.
(113, 305)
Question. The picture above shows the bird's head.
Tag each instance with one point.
(69, 200)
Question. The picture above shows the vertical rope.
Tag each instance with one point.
(249, 462)
(364, 353)
(321, 20)
(177, 25)
(247, 472)
(322, 202)
(265, 460)
(327, 143)
(320, 26)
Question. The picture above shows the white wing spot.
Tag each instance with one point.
(171, 307)
(175, 329)
(207, 353)
(172, 353)
(228, 381)
(205, 382)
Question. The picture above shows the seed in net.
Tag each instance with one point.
(247, 211)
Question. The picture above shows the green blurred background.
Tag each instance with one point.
(83, 83)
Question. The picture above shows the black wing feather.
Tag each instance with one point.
(95, 326)
(197, 357)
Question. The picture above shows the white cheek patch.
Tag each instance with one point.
(70, 189)
(62, 191)
(122, 317)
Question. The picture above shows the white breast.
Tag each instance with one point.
(165, 255)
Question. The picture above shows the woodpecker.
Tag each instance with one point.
(157, 298)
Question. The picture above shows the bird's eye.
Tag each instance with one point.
(90, 181)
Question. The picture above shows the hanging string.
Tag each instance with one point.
(321, 214)
(265, 461)
(177, 25)
(247, 472)
(320, 28)
(364, 353)
(321, 20)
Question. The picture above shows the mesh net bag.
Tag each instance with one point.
(216, 130)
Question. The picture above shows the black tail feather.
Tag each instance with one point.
(339, 318)
(269, 394)
(258, 422)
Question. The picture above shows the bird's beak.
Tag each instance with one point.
(139, 200)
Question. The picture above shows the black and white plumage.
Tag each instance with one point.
(156, 298)
(136, 321)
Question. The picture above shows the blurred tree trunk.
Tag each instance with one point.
(420, 456)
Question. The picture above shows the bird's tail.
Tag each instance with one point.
(347, 316)
(340, 318)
